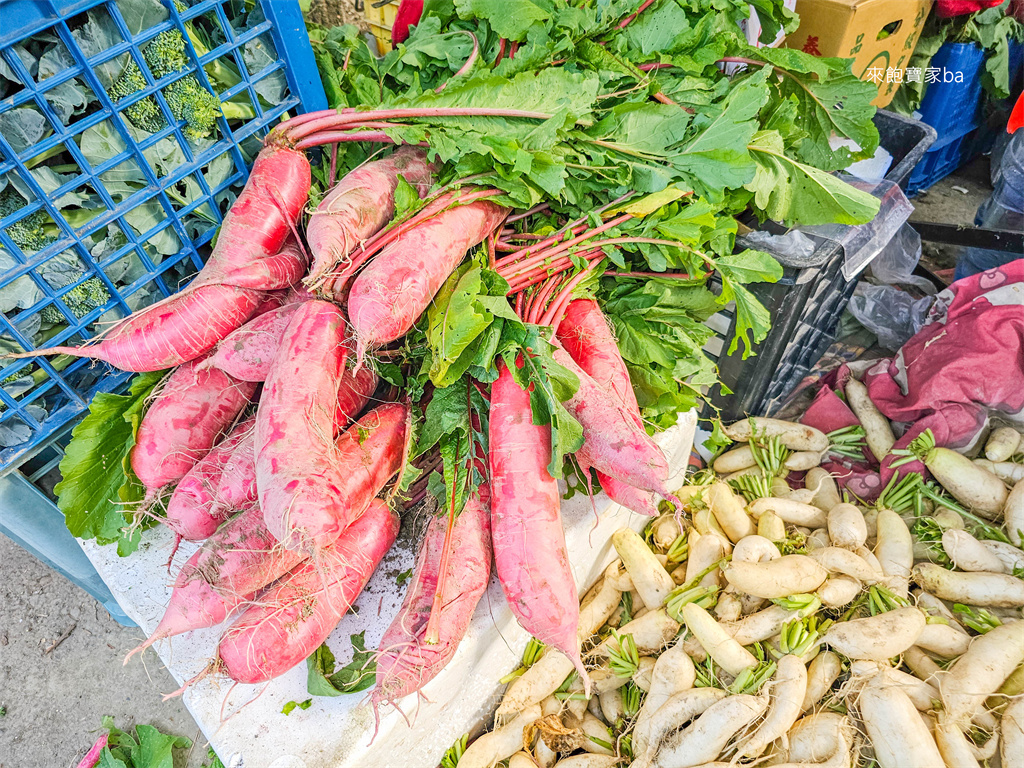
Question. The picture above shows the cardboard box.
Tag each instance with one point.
(879, 35)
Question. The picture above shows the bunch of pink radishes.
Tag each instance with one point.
(293, 500)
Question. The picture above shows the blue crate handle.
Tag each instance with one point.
(24, 18)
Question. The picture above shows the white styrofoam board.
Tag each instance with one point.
(244, 723)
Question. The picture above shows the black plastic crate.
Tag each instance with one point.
(806, 304)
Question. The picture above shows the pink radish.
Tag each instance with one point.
(614, 443)
(584, 333)
(356, 207)
(250, 257)
(195, 509)
(526, 525)
(407, 659)
(191, 411)
(297, 613)
(238, 560)
(397, 285)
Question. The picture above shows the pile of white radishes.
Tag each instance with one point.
(770, 626)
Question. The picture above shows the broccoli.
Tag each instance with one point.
(187, 99)
(32, 233)
(81, 300)
(143, 114)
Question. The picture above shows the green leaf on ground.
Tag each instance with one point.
(358, 675)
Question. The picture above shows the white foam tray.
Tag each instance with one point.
(245, 724)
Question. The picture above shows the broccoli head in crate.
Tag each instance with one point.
(30, 234)
(81, 300)
(186, 97)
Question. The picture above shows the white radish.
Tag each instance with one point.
(792, 512)
(677, 711)
(826, 492)
(587, 761)
(648, 575)
(521, 760)
(644, 672)
(837, 560)
(822, 673)
(952, 744)
(755, 549)
(1013, 514)
(1010, 556)
(544, 755)
(789, 575)
(894, 549)
(1002, 444)
(877, 432)
(1011, 729)
(973, 486)
(1010, 472)
(922, 665)
(922, 694)
(896, 730)
(846, 526)
(981, 670)
(707, 736)
(612, 709)
(706, 524)
(802, 461)
(651, 632)
(789, 686)
(730, 511)
(704, 551)
(673, 673)
(968, 554)
(729, 606)
(824, 738)
(839, 591)
(988, 590)
(719, 644)
(664, 531)
(796, 437)
(943, 640)
(735, 460)
(779, 487)
(500, 743)
(878, 637)
(817, 539)
(603, 679)
(771, 526)
(760, 626)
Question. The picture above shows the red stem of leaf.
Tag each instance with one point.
(629, 19)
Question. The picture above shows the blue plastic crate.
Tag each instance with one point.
(939, 163)
(954, 108)
(158, 198)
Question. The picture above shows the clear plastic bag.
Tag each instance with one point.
(889, 313)
(896, 261)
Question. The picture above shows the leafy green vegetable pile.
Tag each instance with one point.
(35, 238)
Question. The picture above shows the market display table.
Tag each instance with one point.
(245, 724)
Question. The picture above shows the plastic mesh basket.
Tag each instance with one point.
(123, 215)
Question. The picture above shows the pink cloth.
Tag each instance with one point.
(965, 364)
